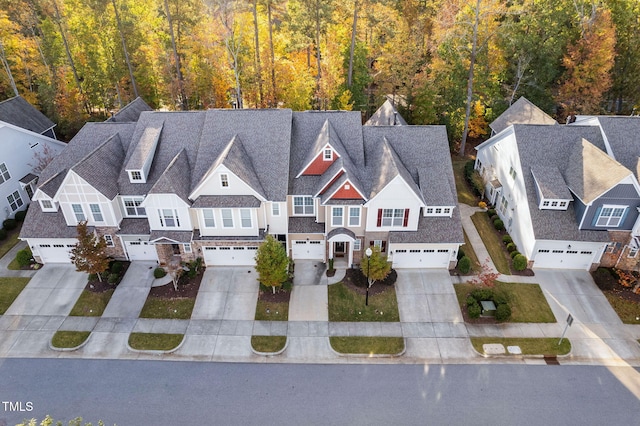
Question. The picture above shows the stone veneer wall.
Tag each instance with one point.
(117, 251)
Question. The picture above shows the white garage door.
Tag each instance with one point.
(56, 253)
(303, 249)
(421, 258)
(563, 259)
(141, 250)
(229, 256)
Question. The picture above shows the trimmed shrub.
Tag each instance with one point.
(471, 300)
(23, 257)
(460, 253)
(514, 253)
(117, 267)
(159, 273)
(499, 299)
(491, 212)
(507, 239)
(482, 294)
(93, 277)
(494, 218)
(20, 215)
(511, 247)
(503, 312)
(499, 224)
(474, 310)
(520, 263)
(192, 272)
(3, 234)
(464, 265)
(113, 278)
(469, 169)
(9, 224)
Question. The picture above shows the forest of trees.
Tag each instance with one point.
(77, 60)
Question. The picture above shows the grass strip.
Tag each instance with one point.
(527, 301)
(11, 240)
(69, 339)
(154, 341)
(272, 311)
(465, 195)
(347, 305)
(175, 308)
(492, 242)
(528, 346)
(268, 344)
(468, 250)
(627, 310)
(367, 345)
(10, 288)
(91, 304)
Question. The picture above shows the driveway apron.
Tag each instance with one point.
(309, 296)
(130, 295)
(227, 293)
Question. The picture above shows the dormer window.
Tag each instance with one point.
(135, 175)
(553, 204)
(224, 180)
(328, 154)
(46, 205)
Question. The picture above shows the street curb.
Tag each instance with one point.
(157, 352)
(520, 356)
(286, 345)
(81, 345)
(340, 354)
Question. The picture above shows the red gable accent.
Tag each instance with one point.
(345, 193)
(319, 165)
(332, 181)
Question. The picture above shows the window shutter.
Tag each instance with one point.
(384, 246)
(406, 218)
(624, 216)
(596, 216)
(379, 217)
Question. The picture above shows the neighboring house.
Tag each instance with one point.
(22, 150)
(521, 111)
(561, 196)
(130, 112)
(212, 184)
(386, 115)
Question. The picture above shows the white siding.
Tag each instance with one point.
(211, 185)
(153, 202)
(75, 190)
(396, 195)
(237, 229)
(277, 224)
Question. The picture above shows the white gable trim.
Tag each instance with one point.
(418, 199)
(38, 135)
(315, 157)
(211, 174)
(324, 188)
(350, 183)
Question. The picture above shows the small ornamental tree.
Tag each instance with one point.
(272, 263)
(89, 254)
(376, 268)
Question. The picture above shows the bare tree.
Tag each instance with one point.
(124, 48)
(257, 43)
(183, 96)
(472, 62)
(353, 43)
(3, 58)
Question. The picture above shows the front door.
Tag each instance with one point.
(338, 249)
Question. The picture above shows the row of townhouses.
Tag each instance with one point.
(162, 186)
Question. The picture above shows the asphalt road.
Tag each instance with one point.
(183, 393)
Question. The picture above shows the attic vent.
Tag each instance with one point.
(347, 186)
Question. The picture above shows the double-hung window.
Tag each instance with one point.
(245, 218)
(504, 205)
(15, 201)
(275, 209)
(224, 180)
(209, 221)
(78, 212)
(392, 217)
(227, 218)
(169, 218)
(96, 213)
(303, 205)
(611, 216)
(4, 173)
(132, 207)
(354, 216)
(109, 240)
(336, 216)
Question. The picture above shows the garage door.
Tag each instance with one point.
(141, 250)
(303, 249)
(55, 253)
(421, 258)
(563, 259)
(229, 256)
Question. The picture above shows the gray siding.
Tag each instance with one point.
(623, 195)
(579, 208)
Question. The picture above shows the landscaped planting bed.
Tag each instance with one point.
(622, 299)
(164, 302)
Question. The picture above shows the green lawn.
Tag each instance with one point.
(347, 305)
(529, 346)
(14, 265)
(465, 195)
(69, 339)
(176, 308)
(276, 311)
(91, 304)
(492, 242)
(268, 344)
(627, 310)
(527, 301)
(10, 288)
(154, 341)
(471, 254)
(367, 345)
(11, 240)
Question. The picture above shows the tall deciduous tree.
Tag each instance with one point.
(272, 263)
(90, 252)
(375, 267)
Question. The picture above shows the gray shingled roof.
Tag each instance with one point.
(230, 201)
(38, 224)
(51, 185)
(29, 177)
(591, 172)
(552, 146)
(145, 145)
(623, 135)
(100, 167)
(326, 136)
(521, 111)
(175, 179)
(134, 226)
(341, 231)
(130, 112)
(435, 188)
(386, 115)
(305, 225)
(171, 236)
(19, 112)
(432, 230)
(338, 183)
(261, 236)
(551, 183)
(329, 175)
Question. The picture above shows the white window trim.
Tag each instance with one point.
(243, 219)
(186, 247)
(224, 178)
(610, 217)
(230, 217)
(359, 215)
(392, 218)
(163, 218)
(204, 218)
(48, 209)
(303, 205)
(75, 214)
(275, 209)
(357, 245)
(109, 240)
(94, 213)
(2, 173)
(333, 218)
(136, 206)
(15, 201)
(324, 154)
(136, 176)
(377, 243)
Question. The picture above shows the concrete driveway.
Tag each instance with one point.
(131, 294)
(309, 296)
(52, 291)
(426, 295)
(228, 293)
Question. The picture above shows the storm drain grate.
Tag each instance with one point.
(551, 360)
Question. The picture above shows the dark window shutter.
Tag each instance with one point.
(379, 217)
(384, 246)
(371, 243)
(596, 216)
(406, 218)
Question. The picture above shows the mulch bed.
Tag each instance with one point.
(280, 296)
(609, 284)
(356, 281)
(479, 320)
(97, 286)
(187, 287)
